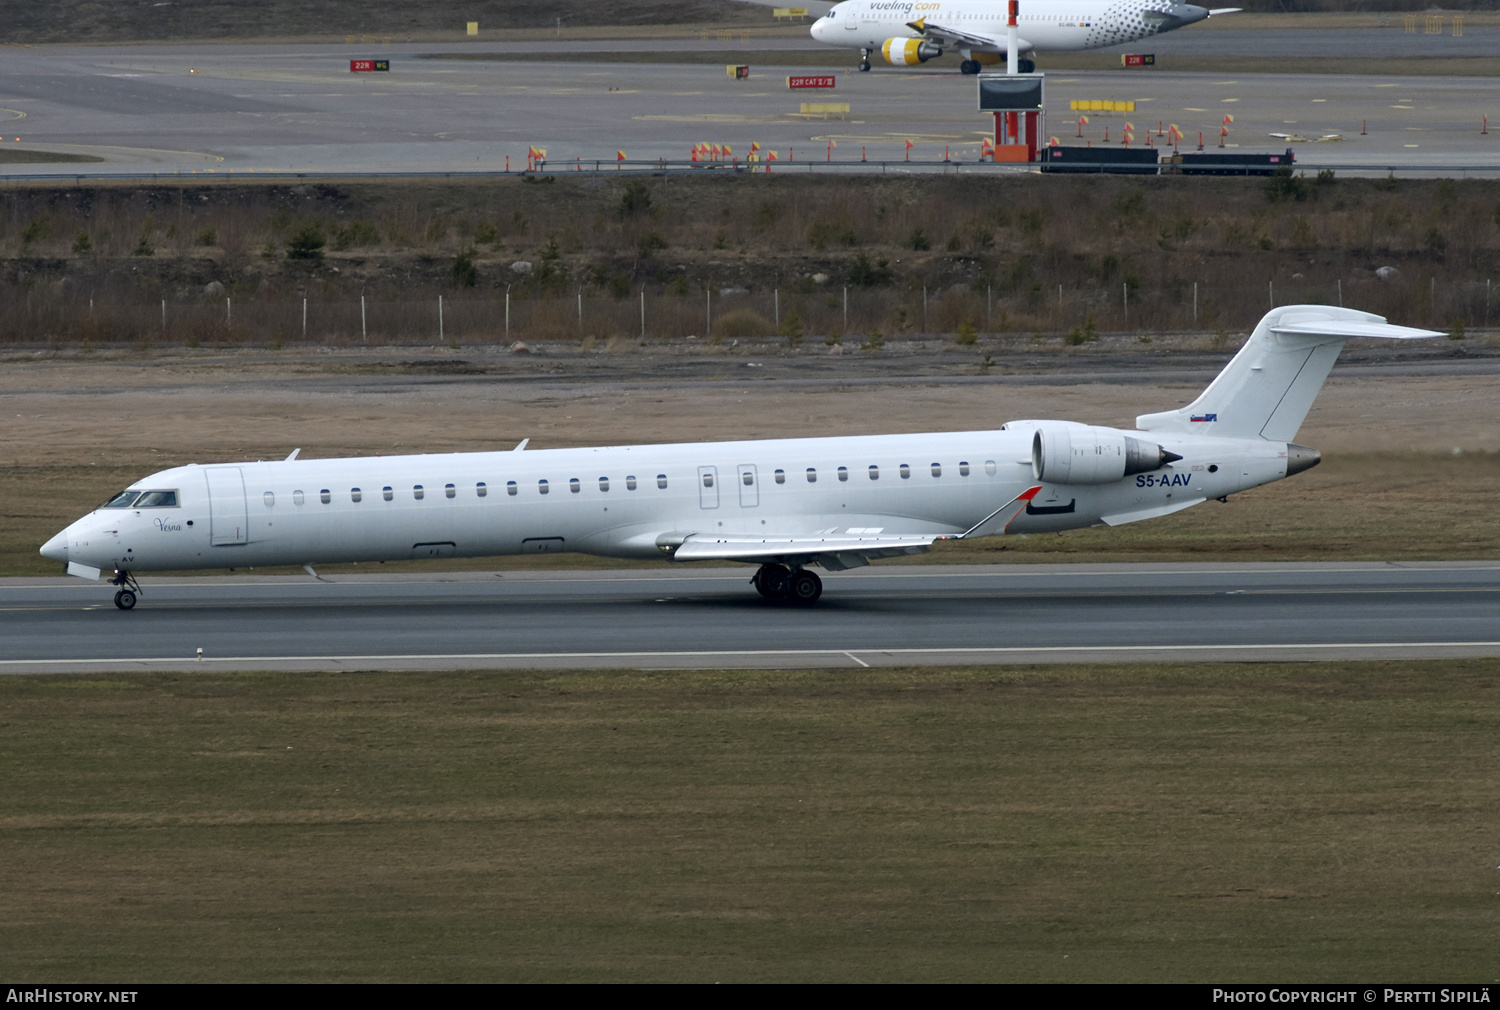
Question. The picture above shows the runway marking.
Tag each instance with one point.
(1261, 648)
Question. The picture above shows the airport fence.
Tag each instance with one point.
(829, 312)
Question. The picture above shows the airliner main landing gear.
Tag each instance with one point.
(778, 582)
(129, 589)
(864, 60)
(969, 67)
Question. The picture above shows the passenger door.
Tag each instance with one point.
(228, 519)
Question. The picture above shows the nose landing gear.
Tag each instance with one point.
(129, 589)
(778, 582)
(864, 60)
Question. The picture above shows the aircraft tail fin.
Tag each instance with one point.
(1267, 388)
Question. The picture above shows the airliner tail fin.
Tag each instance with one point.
(1267, 388)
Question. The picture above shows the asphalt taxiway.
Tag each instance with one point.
(299, 109)
(695, 618)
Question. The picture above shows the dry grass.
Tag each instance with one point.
(1014, 255)
(1190, 824)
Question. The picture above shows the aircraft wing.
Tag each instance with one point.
(837, 549)
(952, 37)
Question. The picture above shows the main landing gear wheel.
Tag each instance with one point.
(125, 599)
(771, 581)
(1025, 66)
(969, 67)
(805, 588)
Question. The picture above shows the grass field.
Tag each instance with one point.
(1147, 823)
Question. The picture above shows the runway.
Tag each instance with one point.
(682, 618)
(298, 109)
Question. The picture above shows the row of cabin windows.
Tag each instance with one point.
(904, 471)
(481, 489)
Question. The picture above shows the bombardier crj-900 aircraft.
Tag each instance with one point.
(907, 33)
(782, 504)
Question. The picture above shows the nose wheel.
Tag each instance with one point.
(129, 589)
(780, 583)
(864, 60)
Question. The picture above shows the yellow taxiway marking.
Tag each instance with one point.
(1382, 85)
(14, 113)
(1194, 110)
(1226, 82)
(1411, 145)
(1229, 99)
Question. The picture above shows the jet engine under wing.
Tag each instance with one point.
(834, 551)
(952, 37)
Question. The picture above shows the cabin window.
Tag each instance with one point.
(510, 488)
(748, 478)
(480, 489)
(989, 467)
(573, 485)
(355, 494)
(843, 473)
(905, 472)
(541, 487)
(325, 496)
(417, 492)
(708, 480)
(812, 475)
(937, 469)
(781, 476)
(963, 468)
(630, 482)
(123, 500)
(387, 492)
(661, 481)
(450, 490)
(874, 473)
(270, 497)
(603, 483)
(296, 497)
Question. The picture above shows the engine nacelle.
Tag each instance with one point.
(1083, 454)
(909, 52)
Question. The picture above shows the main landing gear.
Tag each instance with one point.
(969, 67)
(129, 589)
(864, 61)
(778, 582)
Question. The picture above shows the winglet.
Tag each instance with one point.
(292, 456)
(522, 445)
(919, 25)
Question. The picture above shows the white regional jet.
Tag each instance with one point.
(909, 32)
(782, 504)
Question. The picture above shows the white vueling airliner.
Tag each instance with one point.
(782, 504)
(909, 32)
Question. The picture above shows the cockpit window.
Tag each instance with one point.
(143, 500)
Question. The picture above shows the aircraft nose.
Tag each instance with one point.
(56, 548)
